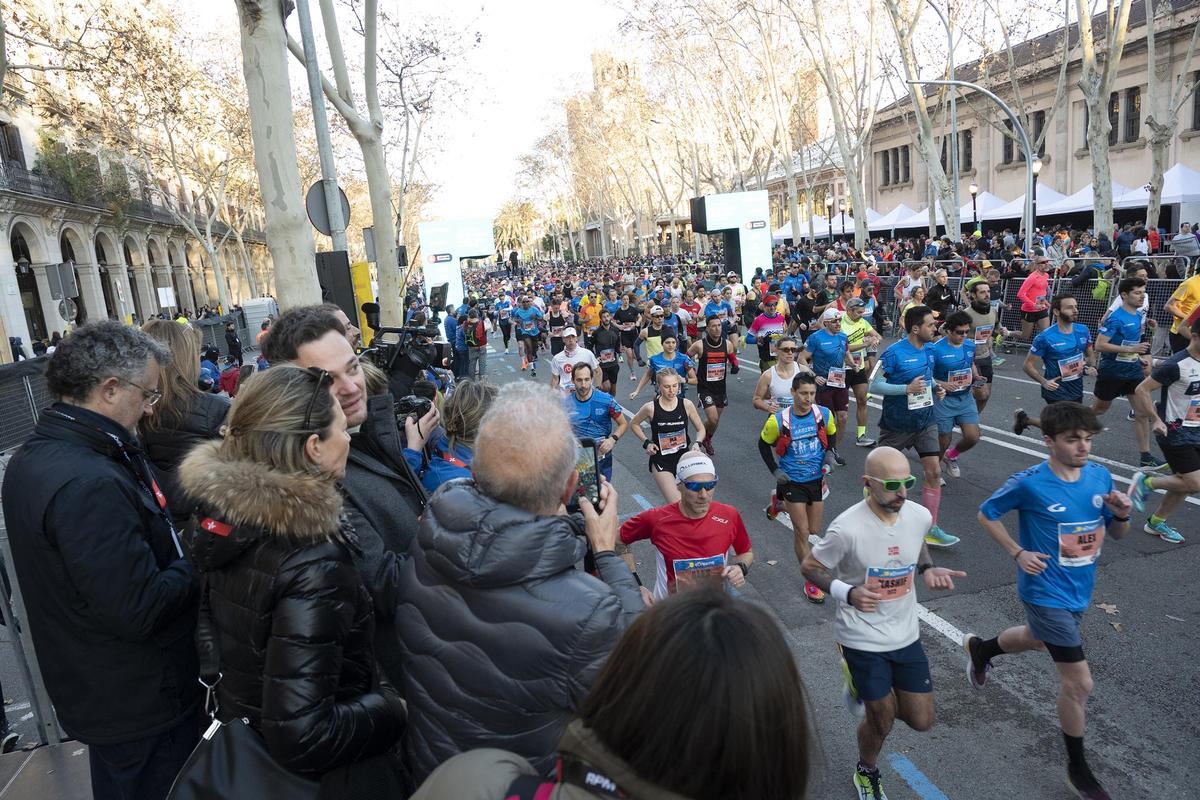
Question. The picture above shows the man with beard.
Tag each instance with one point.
(606, 346)
(1065, 351)
(985, 325)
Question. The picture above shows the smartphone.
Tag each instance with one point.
(589, 475)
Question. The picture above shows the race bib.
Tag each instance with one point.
(890, 583)
(697, 571)
(608, 356)
(528, 326)
(1079, 543)
(983, 334)
(773, 345)
(714, 372)
(836, 378)
(556, 331)
(1191, 417)
(785, 402)
(1071, 368)
(504, 312)
(858, 358)
(669, 443)
(921, 399)
(959, 379)
(1129, 358)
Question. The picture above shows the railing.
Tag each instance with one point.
(1165, 266)
(16, 179)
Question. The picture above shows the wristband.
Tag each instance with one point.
(638, 579)
(1018, 554)
(645, 443)
(1120, 519)
(840, 590)
(922, 567)
(745, 569)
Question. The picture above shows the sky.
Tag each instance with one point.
(533, 53)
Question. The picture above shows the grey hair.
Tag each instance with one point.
(98, 351)
(525, 448)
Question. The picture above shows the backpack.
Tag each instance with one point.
(475, 335)
(785, 432)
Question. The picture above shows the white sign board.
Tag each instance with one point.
(166, 297)
(445, 244)
(746, 214)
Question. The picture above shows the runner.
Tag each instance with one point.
(799, 436)
(868, 560)
(504, 308)
(589, 313)
(557, 320)
(529, 322)
(768, 328)
(653, 331)
(861, 337)
(668, 415)
(718, 306)
(955, 370)
(1121, 343)
(693, 536)
(774, 388)
(606, 342)
(627, 318)
(906, 383)
(1067, 507)
(985, 327)
(1033, 294)
(716, 357)
(1176, 425)
(1065, 350)
(1184, 300)
(669, 358)
(594, 414)
(564, 363)
(830, 352)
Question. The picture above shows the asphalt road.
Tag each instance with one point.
(1004, 741)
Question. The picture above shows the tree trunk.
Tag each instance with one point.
(210, 253)
(247, 267)
(789, 171)
(379, 187)
(289, 238)
(1097, 139)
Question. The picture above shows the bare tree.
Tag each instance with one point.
(1166, 97)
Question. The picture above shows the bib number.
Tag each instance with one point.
(669, 443)
(1129, 358)
(503, 314)
(890, 583)
(714, 372)
(858, 358)
(1079, 543)
(697, 571)
(1071, 368)
(959, 379)
(983, 340)
(608, 356)
(836, 378)
(921, 399)
(1191, 418)
(556, 331)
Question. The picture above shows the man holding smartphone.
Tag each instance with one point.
(595, 415)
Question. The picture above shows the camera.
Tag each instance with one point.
(404, 353)
(411, 405)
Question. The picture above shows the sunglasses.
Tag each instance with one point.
(894, 484)
(324, 381)
(788, 350)
(700, 486)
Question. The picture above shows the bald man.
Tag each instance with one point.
(868, 561)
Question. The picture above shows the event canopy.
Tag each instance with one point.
(820, 227)
(888, 220)
(1180, 185)
(1079, 201)
(984, 201)
(1016, 209)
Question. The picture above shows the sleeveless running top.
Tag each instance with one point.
(669, 429)
(714, 364)
(781, 388)
(556, 322)
(654, 340)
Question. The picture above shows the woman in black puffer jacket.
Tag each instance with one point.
(293, 619)
(184, 416)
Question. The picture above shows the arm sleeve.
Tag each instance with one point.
(110, 564)
(304, 723)
(881, 386)
(1004, 499)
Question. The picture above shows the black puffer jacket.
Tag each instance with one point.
(166, 446)
(293, 619)
(502, 637)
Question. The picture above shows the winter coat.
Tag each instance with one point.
(167, 444)
(111, 602)
(501, 636)
(292, 617)
(486, 774)
(234, 344)
(1184, 244)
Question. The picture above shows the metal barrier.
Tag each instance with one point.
(212, 331)
(1170, 267)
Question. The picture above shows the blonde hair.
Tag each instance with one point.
(667, 372)
(266, 421)
(465, 409)
(376, 379)
(179, 380)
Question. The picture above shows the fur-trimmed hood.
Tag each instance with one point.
(251, 501)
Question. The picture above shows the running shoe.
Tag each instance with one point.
(941, 480)
(533, 371)
(774, 507)
(864, 441)
(939, 538)
(854, 703)
(870, 784)
(1020, 421)
(524, 364)
(9, 742)
(1151, 463)
(1164, 531)
(633, 377)
(813, 594)
(505, 351)
(1139, 492)
(1086, 786)
(998, 361)
(1131, 416)
(837, 457)
(707, 446)
(951, 465)
(976, 672)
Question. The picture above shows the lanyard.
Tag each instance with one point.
(582, 774)
(139, 474)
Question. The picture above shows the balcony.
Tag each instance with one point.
(15, 178)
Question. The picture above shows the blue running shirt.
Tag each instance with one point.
(901, 364)
(1122, 328)
(953, 364)
(1059, 351)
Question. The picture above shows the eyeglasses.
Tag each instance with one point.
(700, 486)
(788, 349)
(149, 396)
(324, 381)
(894, 484)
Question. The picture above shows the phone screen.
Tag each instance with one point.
(589, 480)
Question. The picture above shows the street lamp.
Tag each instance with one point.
(974, 190)
(953, 107)
(842, 208)
(1035, 168)
(829, 215)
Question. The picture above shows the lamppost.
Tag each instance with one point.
(829, 215)
(974, 190)
(953, 144)
(1035, 167)
(842, 208)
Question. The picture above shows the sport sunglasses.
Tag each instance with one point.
(894, 484)
(700, 486)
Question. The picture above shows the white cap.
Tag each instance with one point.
(831, 313)
(657, 310)
(569, 332)
(693, 463)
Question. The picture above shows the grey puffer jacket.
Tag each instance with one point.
(501, 636)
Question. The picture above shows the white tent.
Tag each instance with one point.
(888, 220)
(784, 231)
(1016, 209)
(1180, 185)
(872, 215)
(1079, 201)
(984, 202)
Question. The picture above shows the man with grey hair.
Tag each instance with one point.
(502, 636)
(111, 600)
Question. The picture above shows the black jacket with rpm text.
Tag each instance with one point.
(293, 619)
(502, 636)
(111, 604)
(166, 444)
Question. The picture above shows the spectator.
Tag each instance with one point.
(110, 598)
(209, 379)
(233, 343)
(1184, 243)
(262, 331)
(384, 497)
(452, 451)
(184, 417)
(633, 729)
(475, 338)
(290, 614)
(495, 558)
